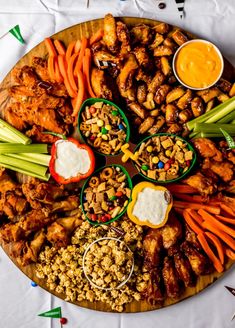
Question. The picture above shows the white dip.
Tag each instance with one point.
(150, 206)
(71, 160)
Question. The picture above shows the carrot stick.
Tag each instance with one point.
(59, 47)
(182, 189)
(191, 222)
(195, 216)
(50, 47)
(61, 61)
(196, 206)
(225, 219)
(230, 254)
(97, 36)
(62, 65)
(80, 96)
(221, 234)
(206, 216)
(216, 262)
(70, 50)
(215, 240)
(193, 199)
(50, 65)
(58, 76)
(78, 66)
(70, 71)
(77, 46)
(86, 71)
(227, 210)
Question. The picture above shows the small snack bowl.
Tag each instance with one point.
(106, 194)
(103, 126)
(108, 263)
(198, 64)
(164, 158)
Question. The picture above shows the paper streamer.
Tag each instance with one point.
(180, 6)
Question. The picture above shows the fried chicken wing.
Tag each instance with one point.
(142, 34)
(14, 119)
(99, 84)
(205, 185)
(36, 134)
(123, 36)
(182, 266)
(6, 182)
(68, 204)
(199, 263)
(152, 245)
(110, 35)
(57, 235)
(125, 78)
(171, 232)
(142, 56)
(40, 66)
(12, 204)
(207, 149)
(35, 220)
(40, 193)
(170, 278)
(223, 169)
(11, 232)
(191, 238)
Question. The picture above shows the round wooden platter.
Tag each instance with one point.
(72, 33)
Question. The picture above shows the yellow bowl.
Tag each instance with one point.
(197, 53)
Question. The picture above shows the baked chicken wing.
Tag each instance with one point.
(170, 278)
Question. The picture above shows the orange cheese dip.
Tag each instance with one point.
(198, 64)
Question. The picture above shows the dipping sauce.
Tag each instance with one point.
(198, 64)
(151, 205)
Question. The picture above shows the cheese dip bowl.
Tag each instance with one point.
(198, 64)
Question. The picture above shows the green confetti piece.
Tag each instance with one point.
(15, 31)
(54, 313)
(229, 139)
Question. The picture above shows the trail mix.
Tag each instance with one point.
(108, 263)
(163, 158)
(107, 194)
(104, 128)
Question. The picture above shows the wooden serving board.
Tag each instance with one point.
(72, 33)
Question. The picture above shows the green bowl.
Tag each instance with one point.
(91, 101)
(189, 146)
(129, 181)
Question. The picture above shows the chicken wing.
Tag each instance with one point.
(191, 238)
(57, 235)
(205, 185)
(170, 278)
(110, 35)
(199, 263)
(154, 291)
(141, 34)
(207, 149)
(182, 266)
(99, 84)
(123, 36)
(12, 204)
(11, 232)
(40, 66)
(6, 182)
(171, 232)
(125, 78)
(68, 204)
(152, 246)
(36, 134)
(223, 169)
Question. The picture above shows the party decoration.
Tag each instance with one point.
(232, 291)
(54, 313)
(15, 31)
(180, 6)
(33, 284)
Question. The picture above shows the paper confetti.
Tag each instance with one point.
(180, 6)
(54, 313)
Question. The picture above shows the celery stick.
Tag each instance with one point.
(41, 159)
(228, 118)
(213, 135)
(214, 127)
(15, 148)
(45, 177)
(218, 115)
(193, 134)
(218, 109)
(13, 133)
(233, 122)
(5, 137)
(24, 165)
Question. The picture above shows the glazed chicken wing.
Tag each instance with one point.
(6, 182)
(142, 34)
(170, 278)
(205, 185)
(123, 36)
(40, 66)
(207, 148)
(11, 232)
(191, 238)
(125, 78)
(37, 135)
(153, 292)
(223, 169)
(110, 35)
(152, 248)
(171, 232)
(182, 266)
(100, 85)
(12, 204)
(198, 262)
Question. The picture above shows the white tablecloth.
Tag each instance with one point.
(19, 302)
